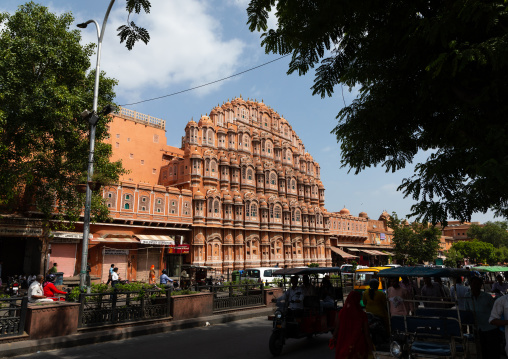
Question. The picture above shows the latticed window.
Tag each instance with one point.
(297, 215)
(249, 174)
(277, 212)
(254, 210)
(273, 179)
(247, 209)
(216, 206)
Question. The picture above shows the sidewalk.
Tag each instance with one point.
(105, 335)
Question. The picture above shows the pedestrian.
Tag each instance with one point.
(399, 299)
(115, 278)
(151, 278)
(481, 304)
(431, 293)
(110, 272)
(459, 292)
(374, 301)
(499, 287)
(351, 337)
(53, 269)
(36, 292)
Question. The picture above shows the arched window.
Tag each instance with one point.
(244, 171)
(273, 179)
(211, 138)
(249, 174)
(277, 212)
(207, 165)
(246, 141)
(127, 206)
(213, 166)
(254, 210)
(297, 215)
(210, 205)
(247, 209)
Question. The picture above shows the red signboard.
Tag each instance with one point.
(179, 249)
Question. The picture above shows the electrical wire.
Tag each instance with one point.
(207, 84)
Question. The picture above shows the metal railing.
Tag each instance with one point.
(12, 316)
(99, 309)
(236, 296)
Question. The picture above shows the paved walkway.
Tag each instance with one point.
(104, 335)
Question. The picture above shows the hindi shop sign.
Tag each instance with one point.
(20, 231)
(179, 249)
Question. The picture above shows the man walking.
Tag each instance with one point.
(110, 274)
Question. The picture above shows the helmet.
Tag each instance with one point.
(164, 271)
(50, 278)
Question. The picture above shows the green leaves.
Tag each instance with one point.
(414, 243)
(431, 77)
(131, 33)
(44, 85)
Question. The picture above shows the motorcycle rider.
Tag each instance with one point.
(294, 296)
(50, 290)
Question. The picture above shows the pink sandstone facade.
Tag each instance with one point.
(241, 181)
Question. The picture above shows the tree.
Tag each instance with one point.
(453, 258)
(131, 33)
(44, 86)
(476, 251)
(414, 243)
(431, 76)
(491, 232)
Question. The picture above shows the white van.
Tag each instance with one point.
(262, 274)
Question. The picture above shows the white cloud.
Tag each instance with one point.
(186, 48)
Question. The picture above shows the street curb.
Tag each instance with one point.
(101, 336)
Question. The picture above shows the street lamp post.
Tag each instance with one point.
(92, 119)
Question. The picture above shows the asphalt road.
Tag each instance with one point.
(243, 339)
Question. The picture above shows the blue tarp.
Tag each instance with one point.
(423, 272)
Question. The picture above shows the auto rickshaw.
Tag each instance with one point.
(313, 320)
(434, 330)
(362, 278)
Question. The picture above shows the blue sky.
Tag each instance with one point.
(194, 42)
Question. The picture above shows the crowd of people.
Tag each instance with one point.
(404, 297)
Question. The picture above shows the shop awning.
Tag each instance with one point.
(343, 254)
(354, 249)
(389, 253)
(156, 239)
(109, 239)
(379, 253)
(371, 252)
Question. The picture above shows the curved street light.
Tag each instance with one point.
(92, 119)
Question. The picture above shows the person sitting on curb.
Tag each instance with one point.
(36, 293)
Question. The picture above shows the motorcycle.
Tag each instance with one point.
(12, 286)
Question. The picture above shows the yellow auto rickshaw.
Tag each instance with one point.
(362, 278)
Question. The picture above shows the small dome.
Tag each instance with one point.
(198, 195)
(263, 204)
(363, 215)
(191, 123)
(344, 211)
